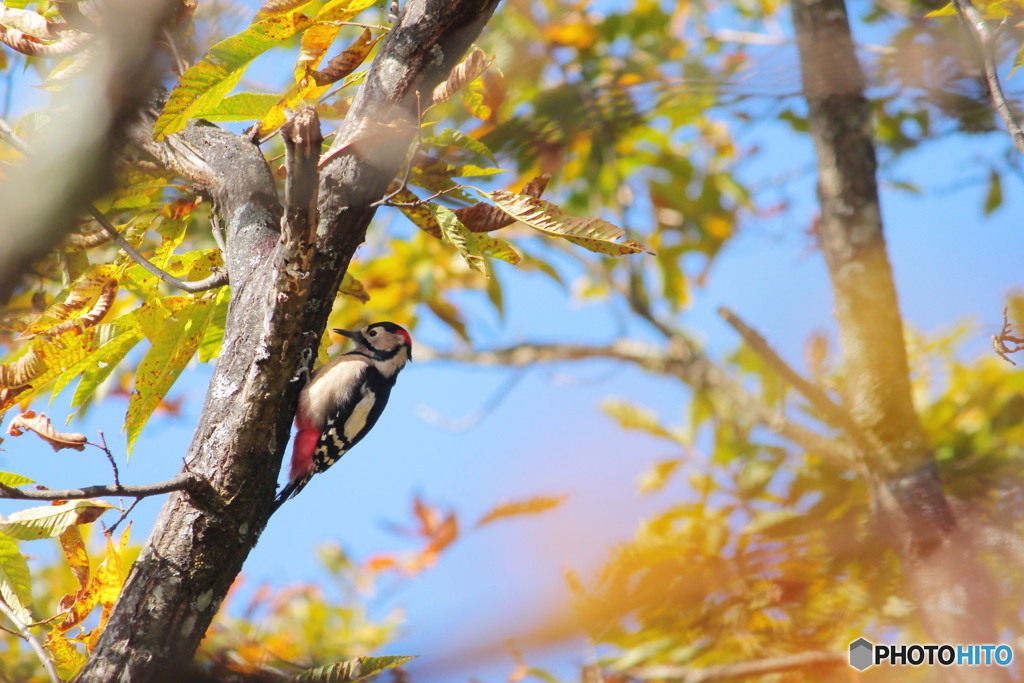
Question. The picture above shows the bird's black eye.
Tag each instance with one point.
(373, 333)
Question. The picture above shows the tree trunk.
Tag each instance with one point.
(283, 286)
(953, 592)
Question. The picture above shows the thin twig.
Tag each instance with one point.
(178, 60)
(123, 516)
(182, 482)
(33, 642)
(462, 424)
(978, 29)
(218, 231)
(352, 23)
(110, 457)
(1006, 335)
(218, 279)
(425, 200)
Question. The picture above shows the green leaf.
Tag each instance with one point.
(994, 197)
(15, 579)
(593, 234)
(351, 670)
(49, 521)
(473, 99)
(243, 106)
(530, 506)
(205, 84)
(450, 137)
(173, 345)
(102, 362)
(472, 246)
(11, 479)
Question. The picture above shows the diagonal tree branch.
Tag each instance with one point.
(182, 482)
(684, 362)
(832, 412)
(976, 26)
(218, 279)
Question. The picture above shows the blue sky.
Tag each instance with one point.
(549, 436)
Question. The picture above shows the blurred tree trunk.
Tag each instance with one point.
(283, 282)
(953, 592)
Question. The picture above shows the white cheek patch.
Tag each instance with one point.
(357, 420)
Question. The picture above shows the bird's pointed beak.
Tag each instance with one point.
(354, 335)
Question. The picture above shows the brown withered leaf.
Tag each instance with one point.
(483, 217)
(20, 372)
(464, 72)
(347, 62)
(40, 424)
(87, 240)
(95, 314)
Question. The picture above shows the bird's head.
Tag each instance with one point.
(384, 341)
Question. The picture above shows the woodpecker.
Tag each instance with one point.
(343, 400)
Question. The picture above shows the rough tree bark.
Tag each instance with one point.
(951, 588)
(283, 281)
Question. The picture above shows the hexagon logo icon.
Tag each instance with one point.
(861, 651)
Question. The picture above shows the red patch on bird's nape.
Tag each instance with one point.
(408, 339)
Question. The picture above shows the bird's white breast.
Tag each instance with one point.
(330, 386)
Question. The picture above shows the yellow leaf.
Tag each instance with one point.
(209, 81)
(83, 293)
(51, 520)
(66, 656)
(579, 35)
(173, 344)
(947, 11)
(530, 506)
(593, 234)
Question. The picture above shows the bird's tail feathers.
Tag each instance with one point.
(290, 490)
